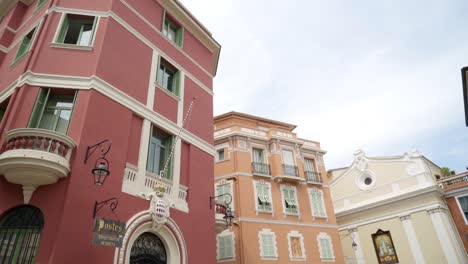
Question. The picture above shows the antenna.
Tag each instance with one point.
(169, 158)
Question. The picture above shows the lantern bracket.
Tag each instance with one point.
(114, 202)
(104, 150)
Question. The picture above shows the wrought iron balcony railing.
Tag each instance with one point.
(313, 177)
(290, 170)
(261, 168)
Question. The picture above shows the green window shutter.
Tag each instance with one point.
(163, 24)
(177, 83)
(38, 108)
(23, 48)
(180, 37)
(168, 145)
(39, 3)
(63, 30)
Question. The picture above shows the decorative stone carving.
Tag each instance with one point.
(360, 160)
(159, 207)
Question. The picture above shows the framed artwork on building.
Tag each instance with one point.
(384, 248)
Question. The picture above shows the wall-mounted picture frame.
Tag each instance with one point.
(384, 248)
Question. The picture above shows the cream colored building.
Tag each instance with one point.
(398, 194)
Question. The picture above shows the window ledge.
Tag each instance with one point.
(298, 259)
(70, 46)
(320, 216)
(20, 58)
(171, 94)
(269, 258)
(327, 259)
(264, 212)
(262, 175)
(226, 260)
(291, 214)
(220, 161)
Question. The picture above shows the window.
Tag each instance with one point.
(296, 245)
(225, 245)
(288, 158)
(158, 152)
(309, 165)
(263, 199)
(258, 156)
(224, 188)
(168, 77)
(267, 241)
(325, 247)
(172, 31)
(20, 232)
(40, 3)
(463, 202)
(77, 30)
(25, 44)
(3, 108)
(317, 202)
(53, 110)
(290, 200)
(220, 154)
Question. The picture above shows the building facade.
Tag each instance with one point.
(281, 201)
(117, 87)
(391, 210)
(456, 193)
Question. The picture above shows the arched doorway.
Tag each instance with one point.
(148, 249)
(20, 231)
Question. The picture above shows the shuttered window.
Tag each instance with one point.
(225, 246)
(325, 247)
(290, 201)
(263, 197)
(318, 206)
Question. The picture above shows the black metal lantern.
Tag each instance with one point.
(228, 216)
(100, 171)
(101, 168)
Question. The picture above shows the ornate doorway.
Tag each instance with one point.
(148, 249)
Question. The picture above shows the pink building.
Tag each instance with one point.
(123, 73)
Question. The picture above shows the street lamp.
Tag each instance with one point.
(228, 216)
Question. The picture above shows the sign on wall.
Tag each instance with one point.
(384, 248)
(108, 232)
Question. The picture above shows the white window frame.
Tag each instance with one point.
(309, 192)
(231, 189)
(225, 234)
(266, 231)
(288, 187)
(294, 233)
(218, 154)
(97, 18)
(460, 207)
(224, 146)
(323, 258)
(293, 155)
(255, 183)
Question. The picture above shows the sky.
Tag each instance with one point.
(383, 76)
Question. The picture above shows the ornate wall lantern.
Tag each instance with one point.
(101, 167)
(228, 216)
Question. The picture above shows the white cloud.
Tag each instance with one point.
(371, 74)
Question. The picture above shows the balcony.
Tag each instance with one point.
(33, 157)
(261, 169)
(290, 174)
(454, 182)
(142, 184)
(313, 177)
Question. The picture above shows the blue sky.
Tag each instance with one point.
(383, 76)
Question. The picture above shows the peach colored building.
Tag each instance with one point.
(456, 194)
(281, 199)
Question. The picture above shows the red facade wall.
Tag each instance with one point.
(200, 120)
(125, 64)
(124, 61)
